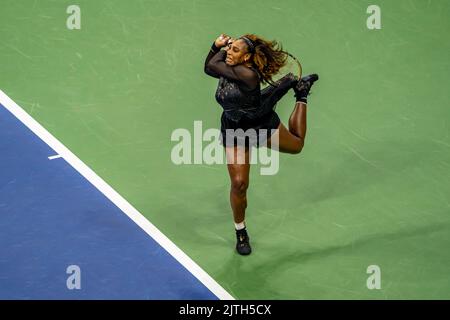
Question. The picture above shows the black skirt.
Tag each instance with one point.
(254, 132)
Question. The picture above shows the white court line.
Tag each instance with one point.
(55, 157)
(116, 198)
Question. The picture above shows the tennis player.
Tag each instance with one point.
(241, 67)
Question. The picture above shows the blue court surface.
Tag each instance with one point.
(62, 238)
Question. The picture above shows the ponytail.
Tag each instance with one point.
(268, 57)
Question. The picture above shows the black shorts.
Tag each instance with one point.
(262, 127)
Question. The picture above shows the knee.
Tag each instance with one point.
(298, 147)
(239, 185)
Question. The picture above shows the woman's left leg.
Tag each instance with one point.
(238, 163)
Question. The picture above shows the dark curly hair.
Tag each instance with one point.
(268, 57)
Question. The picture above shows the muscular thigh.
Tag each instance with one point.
(284, 141)
(238, 162)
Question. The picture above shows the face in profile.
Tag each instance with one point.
(236, 52)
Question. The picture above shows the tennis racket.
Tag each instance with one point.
(292, 67)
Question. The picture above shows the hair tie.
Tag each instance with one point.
(249, 43)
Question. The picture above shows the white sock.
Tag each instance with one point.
(240, 225)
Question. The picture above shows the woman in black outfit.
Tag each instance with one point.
(244, 64)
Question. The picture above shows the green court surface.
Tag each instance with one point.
(371, 186)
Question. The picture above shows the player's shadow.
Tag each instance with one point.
(281, 262)
(355, 170)
(351, 175)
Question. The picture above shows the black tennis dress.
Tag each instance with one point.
(245, 105)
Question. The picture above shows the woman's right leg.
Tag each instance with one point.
(292, 140)
(272, 94)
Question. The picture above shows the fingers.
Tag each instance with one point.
(222, 40)
(224, 37)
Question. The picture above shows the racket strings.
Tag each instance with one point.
(292, 66)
